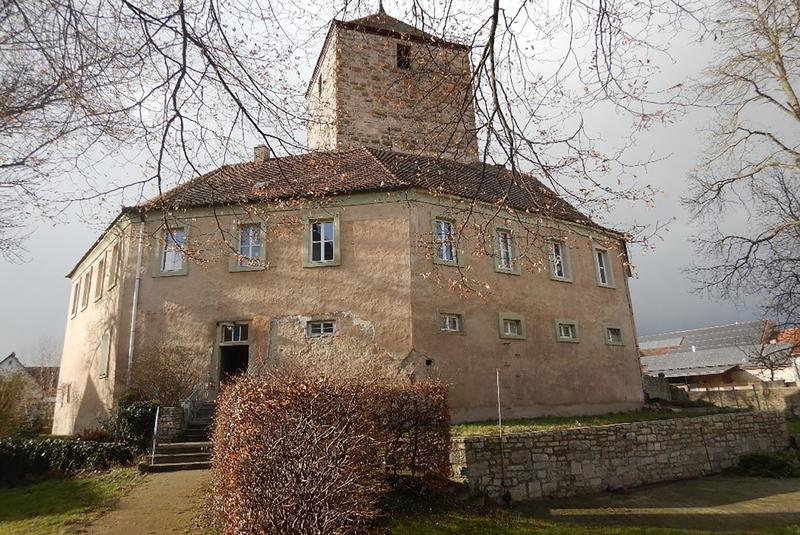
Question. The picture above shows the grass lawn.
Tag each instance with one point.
(539, 424)
(794, 426)
(51, 506)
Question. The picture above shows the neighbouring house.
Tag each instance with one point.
(40, 389)
(356, 253)
(717, 356)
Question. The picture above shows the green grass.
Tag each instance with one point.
(539, 424)
(53, 505)
(508, 523)
(794, 426)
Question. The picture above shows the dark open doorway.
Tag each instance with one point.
(233, 361)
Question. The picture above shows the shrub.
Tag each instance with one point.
(167, 374)
(305, 454)
(779, 464)
(95, 435)
(21, 458)
(132, 422)
(12, 402)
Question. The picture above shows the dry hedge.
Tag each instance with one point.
(300, 454)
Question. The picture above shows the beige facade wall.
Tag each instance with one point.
(385, 297)
(85, 394)
(538, 375)
(367, 100)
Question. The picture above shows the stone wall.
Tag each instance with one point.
(170, 423)
(656, 387)
(758, 396)
(568, 462)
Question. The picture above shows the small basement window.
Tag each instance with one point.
(450, 323)
(321, 328)
(511, 326)
(613, 336)
(566, 331)
(403, 56)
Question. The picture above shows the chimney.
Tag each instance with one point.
(260, 153)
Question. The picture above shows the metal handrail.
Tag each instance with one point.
(191, 404)
(155, 436)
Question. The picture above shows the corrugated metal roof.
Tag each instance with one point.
(717, 337)
(693, 372)
(686, 363)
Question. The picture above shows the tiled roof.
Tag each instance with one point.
(721, 336)
(382, 21)
(317, 174)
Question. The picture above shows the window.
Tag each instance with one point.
(172, 253)
(104, 354)
(65, 393)
(322, 241)
(321, 328)
(603, 268)
(450, 323)
(113, 272)
(511, 326)
(100, 280)
(613, 336)
(250, 245)
(445, 246)
(234, 333)
(559, 262)
(504, 259)
(403, 56)
(76, 296)
(566, 331)
(87, 288)
(322, 245)
(319, 86)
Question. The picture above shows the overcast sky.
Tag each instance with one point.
(34, 294)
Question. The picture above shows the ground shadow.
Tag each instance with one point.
(55, 496)
(722, 502)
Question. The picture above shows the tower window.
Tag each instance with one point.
(403, 56)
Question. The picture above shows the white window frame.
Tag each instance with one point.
(100, 283)
(576, 332)
(104, 354)
(237, 261)
(459, 321)
(566, 267)
(308, 242)
(235, 327)
(504, 317)
(172, 251)
(323, 324)
(607, 338)
(76, 297)
(87, 289)
(505, 251)
(605, 271)
(445, 243)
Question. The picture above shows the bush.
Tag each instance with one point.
(95, 435)
(780, 464)
(22, 458)
(132, 421)
(167, 374)
(304, 454)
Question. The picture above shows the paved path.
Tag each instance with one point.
(163, 503)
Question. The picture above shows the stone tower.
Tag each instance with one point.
(382, 83)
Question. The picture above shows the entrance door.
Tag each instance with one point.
(233, 361)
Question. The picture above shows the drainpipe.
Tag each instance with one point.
(135, 305)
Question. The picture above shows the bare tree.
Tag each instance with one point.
(167, 374)
(752, 161)
(770, 357)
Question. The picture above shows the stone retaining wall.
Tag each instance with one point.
(170, 423)
(568, 462)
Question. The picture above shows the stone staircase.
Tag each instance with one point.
(191, 450)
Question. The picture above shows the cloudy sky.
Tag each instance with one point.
(34, 294)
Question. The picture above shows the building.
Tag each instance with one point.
(40, 387)
(363, 254)
(717, 356)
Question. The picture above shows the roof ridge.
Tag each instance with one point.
(702, 328)
(369, 150)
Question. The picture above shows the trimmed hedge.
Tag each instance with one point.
(312, 455)
(22, 458)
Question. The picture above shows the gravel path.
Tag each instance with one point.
(164, 503)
